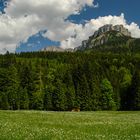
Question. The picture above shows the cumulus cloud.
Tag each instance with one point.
(83, 32)
(23, 19)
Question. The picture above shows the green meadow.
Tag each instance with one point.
(41, 125)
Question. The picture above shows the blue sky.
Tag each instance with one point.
(105, 7)
(35, 43)
(130, 8)
(1, 6)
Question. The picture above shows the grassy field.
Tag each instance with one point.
(36, 125)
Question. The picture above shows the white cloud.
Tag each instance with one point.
(24, 18)
(83, 32)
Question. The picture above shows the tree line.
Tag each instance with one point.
(62, 81)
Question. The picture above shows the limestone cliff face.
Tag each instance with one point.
(102, 36)
(110, 27)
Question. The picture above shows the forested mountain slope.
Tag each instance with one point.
(63, 81)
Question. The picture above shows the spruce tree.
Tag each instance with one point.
(107, 100)
(133, 98)
(12, 89)
(59, 97)
(84, 94)
(38, 93)
(4, 101)
(48, 98)
(24, 99)
(70, 91)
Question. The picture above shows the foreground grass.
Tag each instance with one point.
(35, 125)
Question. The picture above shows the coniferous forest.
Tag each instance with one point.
(62, 81)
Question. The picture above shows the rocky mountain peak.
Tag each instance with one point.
(103, 35)
(110, 27)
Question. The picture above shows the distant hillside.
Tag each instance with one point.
(52, 49)
(55, 49)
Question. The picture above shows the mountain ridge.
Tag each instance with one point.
(100, 36)
(107, 38)
(110, 38)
